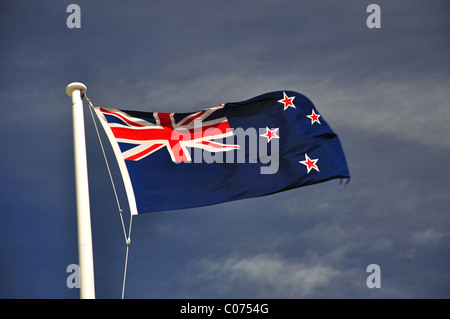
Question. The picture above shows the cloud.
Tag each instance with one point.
(412, 109)
(428, 236)
(270, 275)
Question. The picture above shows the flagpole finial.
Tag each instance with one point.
(75, 86)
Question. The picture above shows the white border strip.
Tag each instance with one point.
(119, 157)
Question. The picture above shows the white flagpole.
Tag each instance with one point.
(85, 255)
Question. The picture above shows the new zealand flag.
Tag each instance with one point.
(268, 144)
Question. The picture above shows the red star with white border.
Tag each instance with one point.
(287, 101)
(314, 117)
(310, 163)
(270, 134)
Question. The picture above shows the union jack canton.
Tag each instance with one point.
(166, 132)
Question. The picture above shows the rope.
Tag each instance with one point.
(91, 106)
(128, 242)
(126, 236)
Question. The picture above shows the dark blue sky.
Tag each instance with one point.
(383, 91)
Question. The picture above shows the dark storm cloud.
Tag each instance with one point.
(384, 92)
